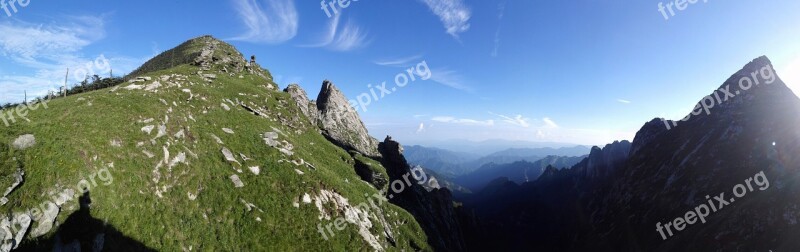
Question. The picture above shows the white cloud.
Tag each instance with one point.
(401, 62)
(450, 119)
(450, 78)
(454, 14)
(550, 123)
(40, 54)
(421, 128)
(274, 21)
(28, 43)
(340, 37)
(623, 101)
(518, 120)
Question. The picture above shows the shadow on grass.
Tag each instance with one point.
(82, 232)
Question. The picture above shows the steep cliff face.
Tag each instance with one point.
(603, 162)
(731, 160)
(434, 210)
(647, 134)
(341, 123)
(671, 172)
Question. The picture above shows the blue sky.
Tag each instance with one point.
(585, 72)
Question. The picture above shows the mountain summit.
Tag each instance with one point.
(199, 150)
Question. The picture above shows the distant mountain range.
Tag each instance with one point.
(444, 162)
(455, 164)
(518, 172)
(487, 147)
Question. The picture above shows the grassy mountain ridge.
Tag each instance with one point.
(172, 187)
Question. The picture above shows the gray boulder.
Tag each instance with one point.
(25, 141)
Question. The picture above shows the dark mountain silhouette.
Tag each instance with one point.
(613, 200)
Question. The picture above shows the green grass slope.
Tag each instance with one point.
(174, 192)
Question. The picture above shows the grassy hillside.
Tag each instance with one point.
(165, 202)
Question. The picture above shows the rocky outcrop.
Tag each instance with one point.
(601, 163)
(300, 97)
(434, 210)
(18, 178)
(370, 173)
(648, 133)
(334, 116)
(341, 123)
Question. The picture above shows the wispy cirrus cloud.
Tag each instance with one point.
(623, 101)
(549, 123)
(342, 37)
(399, 62)
(518, 120)
(501, 9)
(450, 119)
(454, 14)
(267, 21)
(444, 76)
(40, 54)
(450, 78)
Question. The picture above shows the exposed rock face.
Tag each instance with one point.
(12, 230)
(341, 123)
(46, 220)
(308, 108)
(433, 210)
(647, 134)
(602, 162)
(707, 155)
(18, 178)
(360, 217)
(370, 175)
